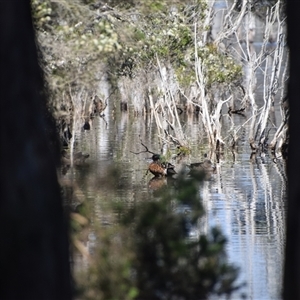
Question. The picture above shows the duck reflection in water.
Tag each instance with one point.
(156, 183)
(78, 158)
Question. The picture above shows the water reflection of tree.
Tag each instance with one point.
(248, 200)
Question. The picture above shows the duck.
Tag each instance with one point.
(206, 167)
(86, 125)
(156, 183)
(170, 169)
(159, 169)
(99, 106)
(156, 168)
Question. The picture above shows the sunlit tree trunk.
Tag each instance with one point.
(34, 255)
(292, 255)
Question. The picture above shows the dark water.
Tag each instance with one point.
(245, 198)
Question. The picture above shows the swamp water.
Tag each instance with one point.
(245, 198)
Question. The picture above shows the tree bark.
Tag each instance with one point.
(34, 250)
(292, 254)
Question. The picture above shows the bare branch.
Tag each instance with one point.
(145, 151)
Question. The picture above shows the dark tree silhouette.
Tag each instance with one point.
(34, 255)
(292, 254)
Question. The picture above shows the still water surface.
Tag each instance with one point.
(245, 198)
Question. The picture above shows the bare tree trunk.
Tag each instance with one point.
(292, 254)
(34, 253)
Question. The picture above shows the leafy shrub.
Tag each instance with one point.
(152, 255)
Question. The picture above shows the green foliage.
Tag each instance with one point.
(183, 150)
(150, 255)
(109, 274)
(166, 34)
(80, 41)
(41, 13)
(74, 39)
(185, 74)
(154, 6)
(100, 38)
(217, 66)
